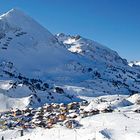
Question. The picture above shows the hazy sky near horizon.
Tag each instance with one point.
(114, 23)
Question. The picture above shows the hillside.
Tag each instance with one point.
(34, 62)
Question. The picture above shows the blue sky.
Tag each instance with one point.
(114, 23)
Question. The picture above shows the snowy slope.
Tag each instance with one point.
(30, 47)
(30, 57)
(90, 49)
(106, 68)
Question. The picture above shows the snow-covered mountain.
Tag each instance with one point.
(134, 63)
(90, 49)
(37, 67)
(107, 68)
(30, 47)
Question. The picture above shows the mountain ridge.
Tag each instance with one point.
(37, 67)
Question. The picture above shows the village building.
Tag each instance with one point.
(93, 112)
(62, 105)
(84, 114)
(72, 115)
(73, 105)
(48, 108)
(71, 124)
(63, 109)
(61, 117)
(106, 110)
(17, 112)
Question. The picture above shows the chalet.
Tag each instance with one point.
(138, 101)
(52, 120)
(73, 105)
(71, 124)
(56, 106)
(48, 108)
(27, 125)
(28, 115)
(72, 115)
(50, 115)
(93, 112)
(84, 114)
(41, 124)
(17, 112)
(39, 117)
(28, 110)
(49, 125)
(33, 111)
(2, 122)
(72, 111)
(107, 110)
(46, 114)
(61, 117)
(63, 109)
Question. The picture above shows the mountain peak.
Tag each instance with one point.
(29, 42)
(13, 12)
(15, 20)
